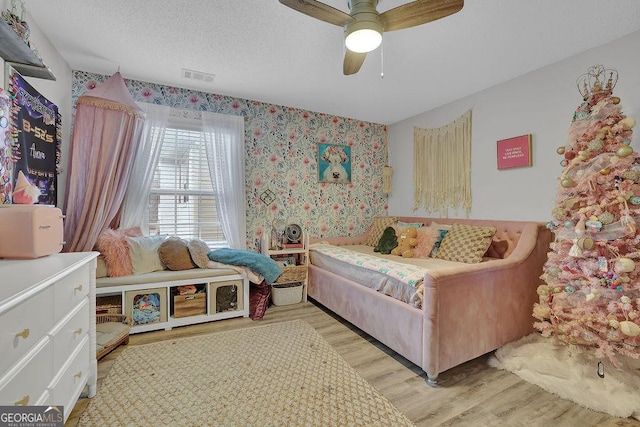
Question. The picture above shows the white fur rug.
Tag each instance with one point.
(572, 373)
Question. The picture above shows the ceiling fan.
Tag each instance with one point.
(364, 25)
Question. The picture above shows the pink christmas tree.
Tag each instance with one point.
(592, 275)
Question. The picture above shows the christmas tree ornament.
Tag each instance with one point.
(624, 151)
(624, 265)
(575, 250)
(585, 243)
(629, 328)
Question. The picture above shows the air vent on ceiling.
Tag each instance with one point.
(198, 76)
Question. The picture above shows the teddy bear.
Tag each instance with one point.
(406, 242)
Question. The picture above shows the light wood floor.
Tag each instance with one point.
(472, 394)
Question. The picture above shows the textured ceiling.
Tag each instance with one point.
(264, 51)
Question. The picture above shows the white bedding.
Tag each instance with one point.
(409, 291)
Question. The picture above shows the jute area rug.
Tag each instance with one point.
(283, 374)
(572, 373)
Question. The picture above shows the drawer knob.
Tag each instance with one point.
(78, 331)
(24, 333)
(23, 402)
(78, 288)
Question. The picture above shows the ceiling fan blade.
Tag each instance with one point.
(352, 62)
(418, 12)
(320, 11)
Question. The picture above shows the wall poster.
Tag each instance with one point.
(6, 165)
(515, 152)
(35, 127)
(334, 163)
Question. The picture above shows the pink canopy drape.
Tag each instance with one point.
(107, 129)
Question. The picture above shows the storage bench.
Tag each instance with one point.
(147, 298)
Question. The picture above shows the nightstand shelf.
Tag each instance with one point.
(294, 265)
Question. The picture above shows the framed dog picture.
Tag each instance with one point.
(334, 163)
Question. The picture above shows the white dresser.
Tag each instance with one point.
(47, 330)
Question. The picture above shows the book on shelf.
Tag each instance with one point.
(292, 245)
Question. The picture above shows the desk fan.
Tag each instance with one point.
(293, 233)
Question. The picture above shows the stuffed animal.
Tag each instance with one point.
(387, 242)
(407, 241)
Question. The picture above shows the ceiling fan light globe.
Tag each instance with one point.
(363, 40)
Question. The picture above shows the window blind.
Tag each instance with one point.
(182, 202)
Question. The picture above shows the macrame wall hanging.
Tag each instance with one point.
(442, 167)
(387, 172)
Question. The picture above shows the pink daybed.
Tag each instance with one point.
(467, 310)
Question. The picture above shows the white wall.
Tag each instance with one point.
(58, 91)
(541, 103)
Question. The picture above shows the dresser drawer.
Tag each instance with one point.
(68, 385)
(27, 383)
(23, 326)
(70, 290)
(68, 334)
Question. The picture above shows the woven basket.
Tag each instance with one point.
(109, 304)
(116, 318)
(286, 294)
(293, 273)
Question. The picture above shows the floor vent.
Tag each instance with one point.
(198, 76)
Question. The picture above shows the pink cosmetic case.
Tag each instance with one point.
(30, 231)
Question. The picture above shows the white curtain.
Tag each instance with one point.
(135, 212)
(224, 142)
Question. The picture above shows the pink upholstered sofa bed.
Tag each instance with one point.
(467, 311)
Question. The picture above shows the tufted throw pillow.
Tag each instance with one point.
(426, 239)
(199, 251)
(175, 255)
(465, 243)
(113, 245)
(377, 228)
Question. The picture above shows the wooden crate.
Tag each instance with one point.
(189, 305)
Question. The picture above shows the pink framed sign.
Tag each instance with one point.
(515, 152)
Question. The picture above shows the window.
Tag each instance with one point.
(182, 202)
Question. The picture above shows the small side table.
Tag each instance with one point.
(294, 265)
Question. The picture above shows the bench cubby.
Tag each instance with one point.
(218, 285)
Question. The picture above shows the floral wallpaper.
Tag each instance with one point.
(282, 156)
